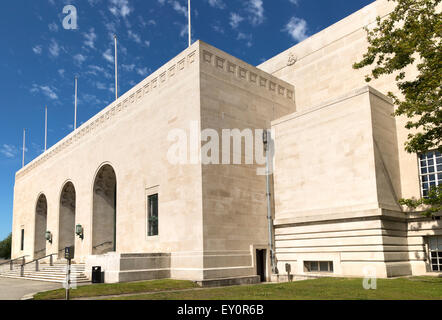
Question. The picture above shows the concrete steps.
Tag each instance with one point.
(55, 273)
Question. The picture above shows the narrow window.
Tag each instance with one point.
(318, 266)
(435, 246)
(430, 171)
(152, 205)
(22, 243)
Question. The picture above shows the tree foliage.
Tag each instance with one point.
(433, 202)
(411, 34)
(5, 247)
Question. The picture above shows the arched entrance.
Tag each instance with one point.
(41, 219)
(104, 211)
(66, 223)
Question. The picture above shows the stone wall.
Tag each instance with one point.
(322, 71)
(130, 135)
(335, 193)
(211, 217)
(235, 95)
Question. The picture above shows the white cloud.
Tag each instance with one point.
(54, 48)
(120, 8)
(142, 71)
(147, 43)
(91, 99)
(128, 67)
(217, 4)
(246, 37)
(108, 56)
(235, 20)
(184, 30)
(37, 49)
(176, 5)
(146, 23)
(46, 90)
(90, 38)
(135, 37)
(217, 27)
(53, 27)
(92, 3)
(297, 29)
(61, 72)
(111, 28)
(295, 2)
(255, 9)
(49, 92)
(100, 85)
(179, 8)
(79, 59)
(97, 70)
(9, 151)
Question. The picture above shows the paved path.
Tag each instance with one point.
(15, 289)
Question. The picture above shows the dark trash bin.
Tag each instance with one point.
(96, 275)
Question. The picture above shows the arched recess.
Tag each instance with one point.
(104, 211)
(41, 220)
(66, 221)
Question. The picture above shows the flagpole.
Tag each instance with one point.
(190, 26)
(46, 128)
(75, 107)
(116, 68)
(24, 147)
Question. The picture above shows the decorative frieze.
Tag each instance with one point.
(220, 62)
(242, 73)
(231, 67)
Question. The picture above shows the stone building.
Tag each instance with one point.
(339, 170)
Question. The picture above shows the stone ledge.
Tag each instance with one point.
(229, 281)
(328, 104)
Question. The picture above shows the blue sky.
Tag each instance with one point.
(39, 58)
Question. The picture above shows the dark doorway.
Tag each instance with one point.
(261, 264)
(41, 217)
(104, 211)
(66, 224)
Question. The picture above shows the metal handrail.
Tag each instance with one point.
(11, 262)
(51, 263)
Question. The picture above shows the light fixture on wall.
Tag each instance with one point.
(79, 231)
(48, 236)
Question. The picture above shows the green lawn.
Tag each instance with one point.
(318, 289)
(119, 288)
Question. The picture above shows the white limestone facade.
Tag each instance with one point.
(340, 163)
(210, 218)
(339, 170)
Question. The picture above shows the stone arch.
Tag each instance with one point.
(104, 214)
(66, 218)
(41, 222)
